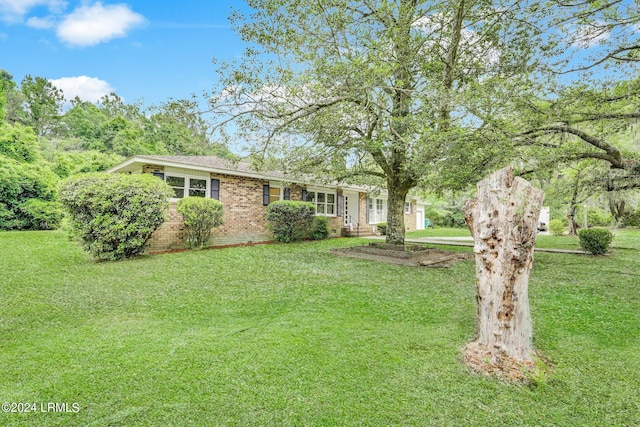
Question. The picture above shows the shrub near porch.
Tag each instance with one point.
(200, 215)
(290, 221)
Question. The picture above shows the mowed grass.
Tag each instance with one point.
(542, 240)
(292, 335)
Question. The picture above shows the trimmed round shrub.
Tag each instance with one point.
(320, 228)
(290, 221)
(382, 228)
(595, 240)
(200, 216)
(114, 215)
(556, 227)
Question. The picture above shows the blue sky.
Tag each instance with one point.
(143, 50)
(146, 50)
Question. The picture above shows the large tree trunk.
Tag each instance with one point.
(503, 221)
(617, 205)
(571, 218)
(395, 215)
(571, 212)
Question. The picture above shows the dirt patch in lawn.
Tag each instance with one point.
(409, 255)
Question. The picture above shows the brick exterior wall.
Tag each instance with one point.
(362, 209)
(244, 214)
(335, 222)
(170, 235)
(410, 218)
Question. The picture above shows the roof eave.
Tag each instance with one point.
(142, 160)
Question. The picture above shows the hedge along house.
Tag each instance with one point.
(246, 193)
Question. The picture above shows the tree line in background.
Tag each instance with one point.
(45, 138)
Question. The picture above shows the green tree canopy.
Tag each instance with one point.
(11, 98)
(586, 123)
(43, 102)
(84, 121)
(392, 90)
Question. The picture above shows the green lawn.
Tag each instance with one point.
(292, 335)
(439, 232)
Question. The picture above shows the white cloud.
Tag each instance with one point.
(41, 23)
(472, 45)
(89, 89)
(15, 10)
(93, 24)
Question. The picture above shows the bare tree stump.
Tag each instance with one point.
(503, 221)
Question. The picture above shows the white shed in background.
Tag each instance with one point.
(421, 206)
(544, 217)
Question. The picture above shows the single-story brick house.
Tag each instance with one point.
(245, 194)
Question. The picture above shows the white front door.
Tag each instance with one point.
(350, 211)
(419, 220)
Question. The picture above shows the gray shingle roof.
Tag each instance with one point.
(216, 163)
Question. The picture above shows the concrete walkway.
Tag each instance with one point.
(468, 241)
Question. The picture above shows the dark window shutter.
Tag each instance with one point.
(287, 194)
(340, 204)
(304, 195)
(265, 195)
(215, 189)
(159, 175)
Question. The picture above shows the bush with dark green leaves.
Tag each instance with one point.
(200, 215)
(114, 215)
(41, 214)
(595, 240)
(598, 218)
(27, 196)
(450, 216)
(382, 228)
(632, 219)
(290, 221)
(320, 228)
(18, 142)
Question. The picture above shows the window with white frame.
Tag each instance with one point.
(197, 187)
(177, 183)
(376, 210)
(325, 202)
(407, 207)
(187, 186)
(381, 213)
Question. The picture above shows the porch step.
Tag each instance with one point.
(362, 231)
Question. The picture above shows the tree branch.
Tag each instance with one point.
(611, 55)
(613, 153)
(365, 172)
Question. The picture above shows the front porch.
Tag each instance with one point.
(359, 231)
(361, 214)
